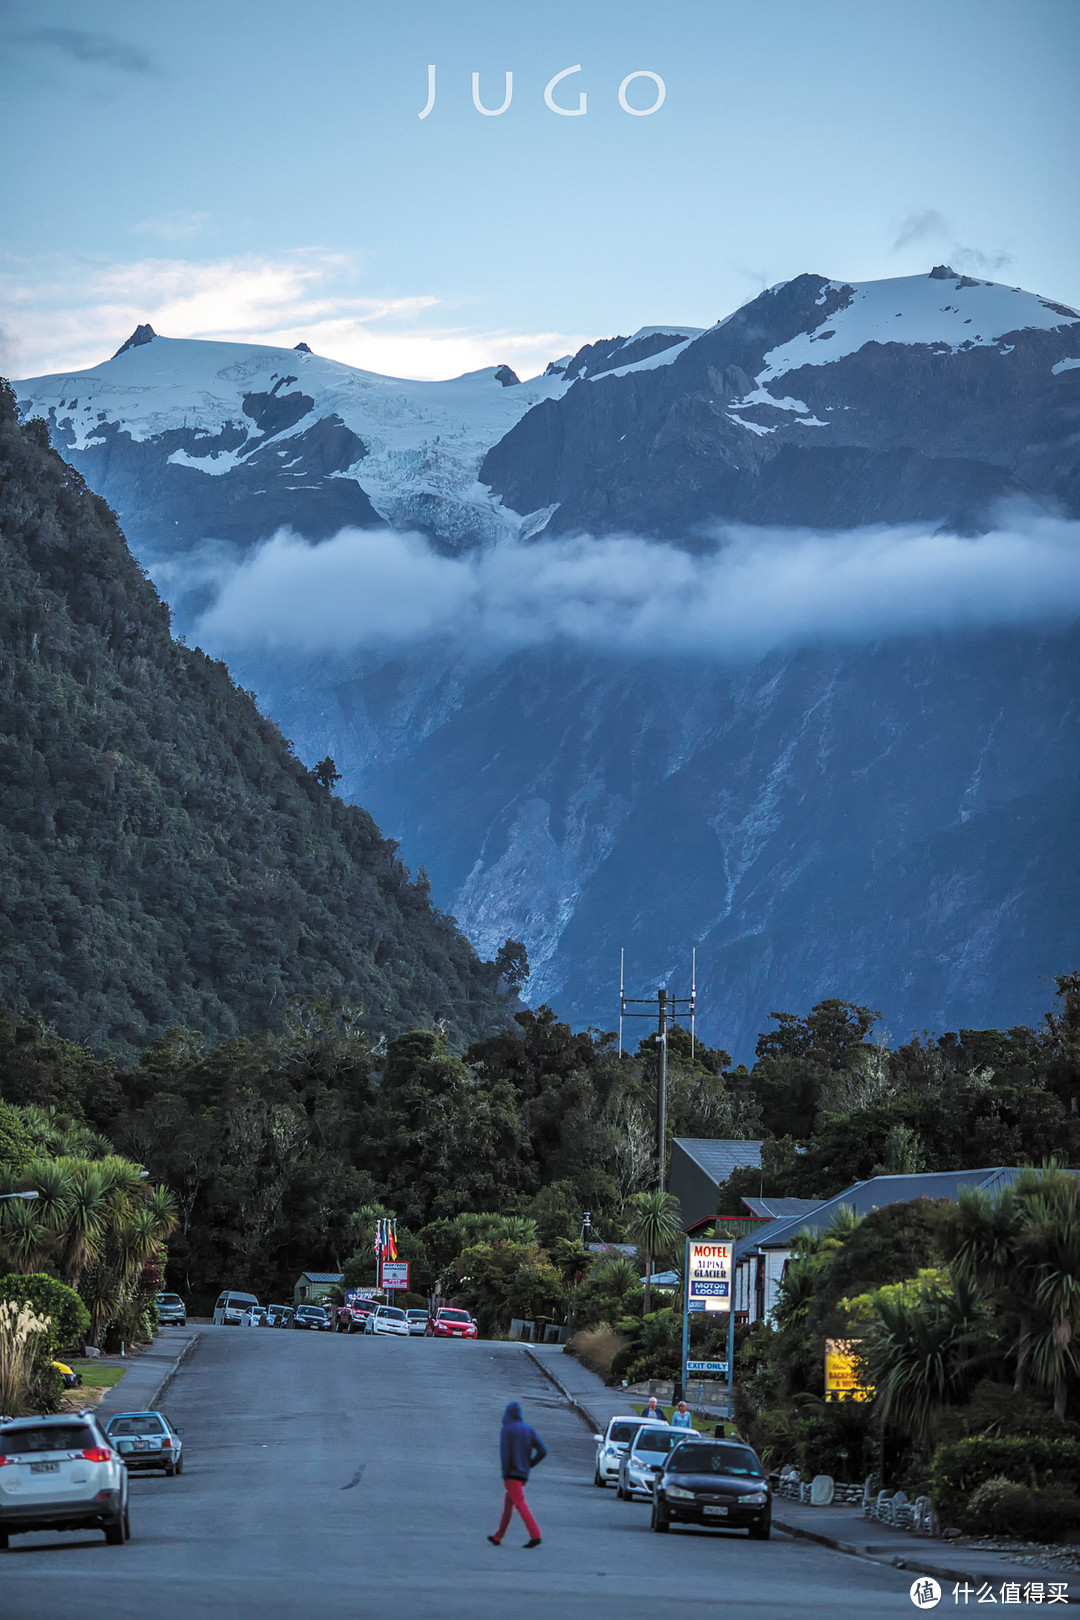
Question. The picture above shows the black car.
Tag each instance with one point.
(716, 1483)
(312, 1317)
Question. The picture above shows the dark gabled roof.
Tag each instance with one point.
(322, 1276)
(875, 1193)
(769, 1208)
(718, 1157)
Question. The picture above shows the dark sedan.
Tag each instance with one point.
(715, 1483)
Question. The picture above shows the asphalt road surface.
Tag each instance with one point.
(351, 1476)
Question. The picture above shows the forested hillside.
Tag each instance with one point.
(164, 857)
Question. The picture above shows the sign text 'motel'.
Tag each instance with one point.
(709, 1275)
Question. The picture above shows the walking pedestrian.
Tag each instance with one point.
(654, 1411)
(682, 1419)
(520, 1449)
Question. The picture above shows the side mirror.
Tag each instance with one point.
(598, 1438)
(179, 1431)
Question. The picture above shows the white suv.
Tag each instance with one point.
(611, 1446)
(388, 1319)
(61, 1473)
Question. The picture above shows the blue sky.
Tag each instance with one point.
(257, 169)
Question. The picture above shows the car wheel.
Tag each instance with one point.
(3, 1541)
(180, 1464)
(598, 1478)
(114, 1533)
(660, 1522)
(762, 1531)
(170, 1470)
(127, 1525)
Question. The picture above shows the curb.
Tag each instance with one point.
(173, 1370)
(582, 1411)
(898, 1561)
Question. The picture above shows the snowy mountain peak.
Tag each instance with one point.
(142, 334)
(945, 311)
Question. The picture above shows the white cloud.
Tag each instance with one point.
(68, 312)
(759, 591)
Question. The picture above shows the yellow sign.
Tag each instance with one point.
(842, 1373)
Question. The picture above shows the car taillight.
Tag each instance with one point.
(97, 1454)
(4, 1460)
(165, 1444)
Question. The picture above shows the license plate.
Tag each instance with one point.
(715, 1513)
(44, 1468)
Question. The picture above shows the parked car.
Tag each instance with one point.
(388, 1319)
(147, 1440)
(417, 1321)
(351, 1318)
(717, 1483)
(61, 1473)
(448, 1323)
(278, 1316)
(255, 1316)
(171, 1310)
(637, 1468)
(312, 1317)
(612, 1444)
(231, 1306)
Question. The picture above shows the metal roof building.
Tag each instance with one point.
(699, 1165)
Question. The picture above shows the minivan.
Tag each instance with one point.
(231, 1307)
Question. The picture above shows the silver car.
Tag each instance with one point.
(171, 1310)
(645, 1452)
(61, 1473)
(147, 1440)
(417, 1321)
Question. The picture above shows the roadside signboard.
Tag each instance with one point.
(395, 1274)
(708, 1275)
(842, 1373)
(708, 1369)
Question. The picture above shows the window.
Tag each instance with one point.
(137, 1423)
(50, 1437)
(715, 1459)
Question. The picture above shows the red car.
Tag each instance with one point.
(351, 1318)
(450, 1324)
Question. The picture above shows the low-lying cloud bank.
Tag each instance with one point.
(756, 592)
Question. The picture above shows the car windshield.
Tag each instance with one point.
(50, 1437)
(169, 1299)
(136, 1423)
(657, 1439)
(620, 1433)
(713, 1459)
(393, 1313)
(454, 1316)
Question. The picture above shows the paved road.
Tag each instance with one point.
(337, 1476)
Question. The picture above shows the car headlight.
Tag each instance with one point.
(675, 1493)
(756, 1499)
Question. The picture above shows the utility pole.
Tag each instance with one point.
(667, 1009)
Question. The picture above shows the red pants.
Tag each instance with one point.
(515, 1498)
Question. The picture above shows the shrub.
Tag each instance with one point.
(597, 1348)
(960, 1468)
(653, 1347)
(1002, 1507)
(69, 1320)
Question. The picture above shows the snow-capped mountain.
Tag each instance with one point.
(890, 819)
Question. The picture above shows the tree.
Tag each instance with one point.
(326, 774)
(654, 1227)
(512, 964)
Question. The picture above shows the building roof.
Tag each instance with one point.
(769, 1208)
(322, 1276)
(627, 1250)
(718, 1156)
(876, 1193)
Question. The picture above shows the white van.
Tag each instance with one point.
(231, 1307)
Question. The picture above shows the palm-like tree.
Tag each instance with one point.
(654, 1227)
(25, 1240)
(924, 1352)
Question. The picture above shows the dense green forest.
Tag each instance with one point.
(164, 857)
(279, 1146)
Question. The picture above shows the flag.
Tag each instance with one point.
(379, 1239)
(391, 1240)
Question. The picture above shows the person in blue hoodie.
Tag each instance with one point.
(520, 1449)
